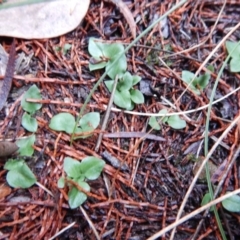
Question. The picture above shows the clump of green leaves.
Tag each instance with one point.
(66, 122)
(66, 47)
(19, 174)
(103, 56)
(198, 84)
(233, 48)
(28, 121)
(173, 121)
(89, 168)
(125, 95)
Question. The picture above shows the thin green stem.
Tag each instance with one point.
(210, 189)
(116, 60)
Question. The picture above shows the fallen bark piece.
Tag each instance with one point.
(114, 161)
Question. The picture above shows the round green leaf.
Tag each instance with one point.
(97, 66)
(118, 68)
(111, 50)
(187, 77)
(29, 123)
(235, 64)
(61, 182)
(206, 199)
(32, 92)
(25, 146)
(154, 123)
(21, 177)
(125, 83)
(136, 96)
(203, 80)
(72, 167)
(76, 198)
(233, 48)
(109, 84)
(176, 122)
(123, 99)
(163, 111)
(90, 120)
(95, 48)
(91, 167)
(63, 122)
(136, 79)
(12, 164)
(232, 204)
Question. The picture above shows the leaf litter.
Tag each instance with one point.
(146, 198)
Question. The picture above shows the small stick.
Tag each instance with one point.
(106, 117)
(133, 135)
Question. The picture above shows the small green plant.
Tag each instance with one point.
(103, 55)
(66, 122)
(206, 199)
(173, 121)
(28, 122)
(89, 168)
(19, 174)
(198, 84)
(232, 204)
(233, 48)
(26, 145)
(64, 49)
(125, 95)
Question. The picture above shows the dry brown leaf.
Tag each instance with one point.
(4, 191)
(42, 20)
(7, 148)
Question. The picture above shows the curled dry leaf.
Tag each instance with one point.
(41, 20)
(4, 191)
(7, 148)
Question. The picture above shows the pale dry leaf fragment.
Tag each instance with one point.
(42, 20)
(19, 199)
(4, 190)
(7, 148)
(127, 14)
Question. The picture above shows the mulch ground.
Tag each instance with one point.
(143, 198)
